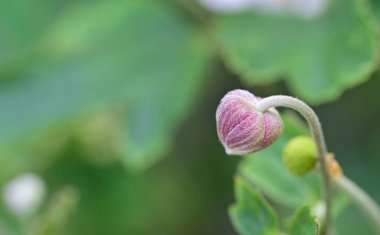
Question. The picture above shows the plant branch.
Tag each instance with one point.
(316, 130)
(362, 199)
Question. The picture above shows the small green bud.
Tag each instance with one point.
(300, 155)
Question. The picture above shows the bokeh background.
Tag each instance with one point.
(107, 108)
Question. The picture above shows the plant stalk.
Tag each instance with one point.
(317, 133)
(362, 199)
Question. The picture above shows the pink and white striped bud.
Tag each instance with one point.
(243, 129)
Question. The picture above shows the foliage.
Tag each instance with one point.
(262, 49)
(267, 170)
(92, 91)
(252, 214)
(96, 62)
(303, 223)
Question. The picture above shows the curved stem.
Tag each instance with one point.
(362, 199)
(316, 130)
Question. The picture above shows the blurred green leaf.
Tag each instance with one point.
(376, 6)
(115, 202)
(266, 170)
(60, 207)
(303, 223)
(320, 58)
(21, 26)
(34, 155)
(252, 214)
(152, 119)
(100, 53)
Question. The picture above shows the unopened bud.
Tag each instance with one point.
(243, 129)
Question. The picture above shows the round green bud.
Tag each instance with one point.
(300, 155)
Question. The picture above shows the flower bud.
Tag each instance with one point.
(243, 129)
(300, 155)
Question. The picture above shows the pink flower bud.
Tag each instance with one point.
(241, 128)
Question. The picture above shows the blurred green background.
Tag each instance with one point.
(112, 104)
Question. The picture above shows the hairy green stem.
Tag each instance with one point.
(317, 133)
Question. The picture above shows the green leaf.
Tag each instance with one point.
(100, 53)
(266, 170)
(376, 6)
(252, 214)
(22, 24)
(304, 223)
(56, 215)
(320, 58)
(153, 118)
